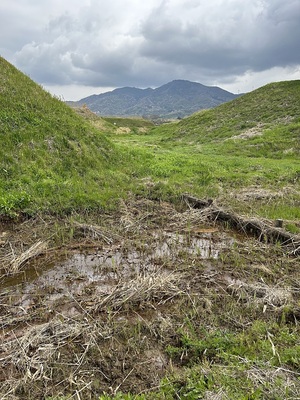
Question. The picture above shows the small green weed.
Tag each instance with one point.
(12, 203)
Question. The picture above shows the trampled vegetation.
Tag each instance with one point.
(114, 284)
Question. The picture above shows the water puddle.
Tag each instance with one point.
(78, 274)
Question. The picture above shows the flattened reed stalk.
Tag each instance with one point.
(190, 218)
(93, 230)
(220, 395)
(13, 263)
(143, 289)
(273, 296)
(270, 378)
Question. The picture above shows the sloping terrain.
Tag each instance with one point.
(275, 105)
(50, 157)
(172, 100)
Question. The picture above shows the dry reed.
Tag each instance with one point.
(141, 290)
(96, 232)
(12, 263)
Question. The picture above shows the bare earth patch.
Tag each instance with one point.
(250, 133)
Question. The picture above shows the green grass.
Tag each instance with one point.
(273, 105)
(129, 122)
(241, 366)
(210, 154)
(51, 159)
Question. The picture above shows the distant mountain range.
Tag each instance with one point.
(175, 99)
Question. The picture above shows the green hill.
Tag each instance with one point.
(50, 157)
(265, 121)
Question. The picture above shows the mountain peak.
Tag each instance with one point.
(177, 98)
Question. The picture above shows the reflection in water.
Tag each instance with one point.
(75, 274)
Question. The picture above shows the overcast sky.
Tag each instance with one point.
(75, 48)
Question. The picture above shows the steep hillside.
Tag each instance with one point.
(50, 157)
(175, 99)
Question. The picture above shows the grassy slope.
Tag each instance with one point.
(206, 154)
(50, 157)
(276, 104)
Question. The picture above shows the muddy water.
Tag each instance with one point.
(78, 274)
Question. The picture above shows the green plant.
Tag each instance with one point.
(12, 203)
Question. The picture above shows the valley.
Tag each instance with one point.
(146, 262)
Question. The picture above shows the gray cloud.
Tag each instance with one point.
(131, 43)
(256, 36)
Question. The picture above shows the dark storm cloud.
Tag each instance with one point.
(242, 36)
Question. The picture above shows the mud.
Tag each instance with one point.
(71, 273)
(53, 333)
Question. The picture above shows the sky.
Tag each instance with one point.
(76, 48)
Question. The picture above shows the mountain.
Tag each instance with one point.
(178, 98)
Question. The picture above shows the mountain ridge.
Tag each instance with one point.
(174, 99)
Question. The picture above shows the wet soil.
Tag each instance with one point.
(57, 339)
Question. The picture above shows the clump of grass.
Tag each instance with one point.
(142, 290)
(14, 260)
(33, 251)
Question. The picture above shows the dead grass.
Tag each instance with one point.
(262, 294)
(12, 263)
(93, 231)
(249, 133)
(30, 358)
(269, 377)
(143, 290)
(220, 395)
(117, 340)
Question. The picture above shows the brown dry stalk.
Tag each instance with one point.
(260, 229)
(33, 352)
(93, 230)
(142, 289)
(272, 296)
(14, 263)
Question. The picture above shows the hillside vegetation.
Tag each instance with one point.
(274, 105)
(56, 159)
(50, 158)
(245, 152)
